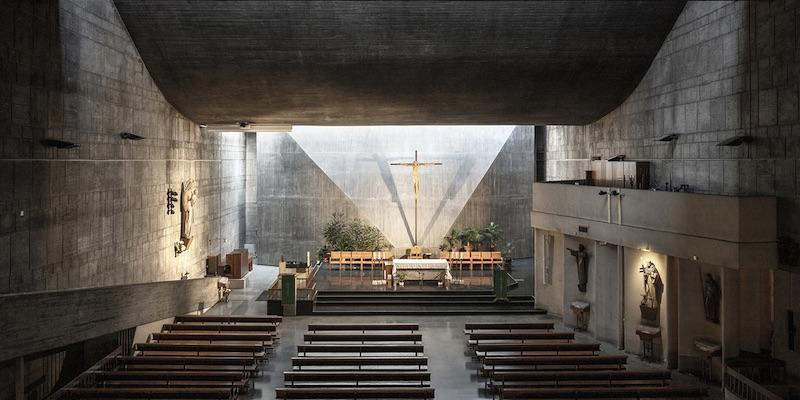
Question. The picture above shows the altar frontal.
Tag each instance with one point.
(422, 270)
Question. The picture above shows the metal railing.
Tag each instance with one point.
(744, 388)
(88, 378)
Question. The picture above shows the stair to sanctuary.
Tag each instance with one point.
(419, 302)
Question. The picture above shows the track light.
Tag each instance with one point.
(130, 136)
(60, 144)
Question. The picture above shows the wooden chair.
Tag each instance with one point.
(497, 258)
(336, 259)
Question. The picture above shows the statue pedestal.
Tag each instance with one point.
(581, 311)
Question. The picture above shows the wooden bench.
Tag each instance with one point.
(356, 378)
(355, 393)
(483, 350)
(579, 378)
(537, 363)
(360, 348)
(232, 380)
(244, 364)
(147, 393)
(655, 392)
(359, 362)
(254, 350)
(229, 319)
(476, 338)
(507, 326)
(267, 328)
(363, 327)
(363, 337)
(264, 339)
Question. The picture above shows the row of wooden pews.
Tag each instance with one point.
(359, 361)
(530, 361)
(196, 357)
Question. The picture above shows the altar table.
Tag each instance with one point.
(423, 269)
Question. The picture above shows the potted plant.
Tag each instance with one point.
(490, 235)
(471, 236)
(401, 278)
(508, 250)
(453, 239)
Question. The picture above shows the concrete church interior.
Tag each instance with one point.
(379, 200)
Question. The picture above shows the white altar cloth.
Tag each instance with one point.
(423, 269)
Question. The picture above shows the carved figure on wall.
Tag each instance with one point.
(651, 292)
(548, 258)
(188, 200)
(711, 298)
(581, 257)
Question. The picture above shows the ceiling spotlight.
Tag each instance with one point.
(130, 136)
(60, 144)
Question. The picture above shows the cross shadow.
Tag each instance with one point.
(388, 180)
(456, 184)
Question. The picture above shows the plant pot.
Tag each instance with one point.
(468, 247)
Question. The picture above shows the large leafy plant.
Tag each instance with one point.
(354, 234)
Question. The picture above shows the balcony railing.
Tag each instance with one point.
(744, 388)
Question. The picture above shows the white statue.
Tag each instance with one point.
(188, 200)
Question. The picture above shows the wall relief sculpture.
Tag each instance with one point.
(548, 259)
(188, 200)
(581, 258)
(651, 293)
(711, 298)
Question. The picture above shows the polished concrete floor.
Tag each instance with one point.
(453, 372)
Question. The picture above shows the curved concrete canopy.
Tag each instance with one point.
(417, 62)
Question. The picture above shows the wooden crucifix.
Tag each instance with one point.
(415, 165)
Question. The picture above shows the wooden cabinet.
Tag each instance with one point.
(239, 261)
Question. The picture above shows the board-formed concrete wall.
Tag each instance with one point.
(504, 194)
(96, 216)
(294, 200)
(727, 68)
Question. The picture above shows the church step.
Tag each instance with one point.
(413, 297)
(425, 311)
(381, 302)
(404, 292)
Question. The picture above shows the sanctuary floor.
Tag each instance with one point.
(453, 372)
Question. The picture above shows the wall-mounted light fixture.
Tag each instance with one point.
(668, 138)
(602, 193)
(736, 140)
(130, 136)
(618, 157)
(60, 144)
(203, 126)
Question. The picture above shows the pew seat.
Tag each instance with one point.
(538, 363)
(362, 337)
(304, 349)
(484, 350)
(655, 392)
(355, 393)
(363, 327)
(507, 326)
(147, 393)
(356, 378)
(358, 363)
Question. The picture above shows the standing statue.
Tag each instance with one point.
(711, 297)
(188, 200)
(651, 292)
(581, 257)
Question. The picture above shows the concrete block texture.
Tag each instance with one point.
(96, 215)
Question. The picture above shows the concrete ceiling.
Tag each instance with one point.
(417, 62)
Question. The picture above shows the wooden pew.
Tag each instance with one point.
(476, 338)
(483, 350)
(507, 326)
(355, 393)
(538, 363)
(213, 337)
(525, 379)
(232, 380)
(229, 319)
(360, 362)
(244, 364)
(254, 350)
(147, 393)
(655, 392)
(363, 337)
(360, 348)
(266, 328)
(363, 327)
(356, 378)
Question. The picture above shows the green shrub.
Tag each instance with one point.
(353, 235)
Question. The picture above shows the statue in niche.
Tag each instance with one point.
(188, 200)
(581, 257)
(711, 298)
(651, 293)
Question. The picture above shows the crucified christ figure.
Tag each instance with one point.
(415, 165)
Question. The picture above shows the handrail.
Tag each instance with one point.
(87, 378)
(745, 388)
